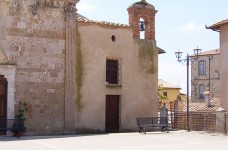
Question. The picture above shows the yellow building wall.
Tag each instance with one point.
(171, 94)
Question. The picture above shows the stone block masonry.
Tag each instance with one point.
(33, 39)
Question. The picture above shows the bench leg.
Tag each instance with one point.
(163, 128)
(144, 130)
(140, 130)
(166, 128)
(19, 134)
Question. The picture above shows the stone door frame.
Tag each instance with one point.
(9, 72)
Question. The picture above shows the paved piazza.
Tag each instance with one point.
(174, 140)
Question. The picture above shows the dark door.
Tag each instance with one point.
(3, 102)
(112, 113)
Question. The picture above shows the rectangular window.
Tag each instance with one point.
(112, 70)
(201, 91)
(165, 94)
(202, 67)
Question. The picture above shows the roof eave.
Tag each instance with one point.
(161, 51)
(214, 28)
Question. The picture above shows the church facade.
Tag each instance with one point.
(73, 73)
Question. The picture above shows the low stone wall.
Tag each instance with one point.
(221, 121)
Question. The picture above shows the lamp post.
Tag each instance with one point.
(187, 60)
(210, 57)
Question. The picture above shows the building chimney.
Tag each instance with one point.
(208, 97)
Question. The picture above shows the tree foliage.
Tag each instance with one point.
(160, 95)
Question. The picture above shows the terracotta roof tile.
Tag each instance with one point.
(81, 19)
(215, 104)
(217, 25)
(210, 52)
(167, 85)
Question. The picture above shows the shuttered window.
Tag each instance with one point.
(202, 67)
(112, 68)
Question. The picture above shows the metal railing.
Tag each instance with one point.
(198, 121)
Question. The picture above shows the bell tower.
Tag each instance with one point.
(142, 19)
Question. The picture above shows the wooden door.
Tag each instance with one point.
(3, 102)
(112, 114)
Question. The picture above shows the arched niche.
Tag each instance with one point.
(5, 54)
(3, 57)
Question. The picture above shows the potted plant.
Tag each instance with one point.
(19, 126)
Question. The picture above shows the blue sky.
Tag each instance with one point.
(180, 25)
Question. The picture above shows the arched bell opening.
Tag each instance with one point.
(142, 28)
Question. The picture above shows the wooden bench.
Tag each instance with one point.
(159, 122)
(14, 125)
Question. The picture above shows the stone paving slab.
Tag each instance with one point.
(174, 140)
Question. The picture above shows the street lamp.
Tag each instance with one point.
(178, 54)
(210, 57)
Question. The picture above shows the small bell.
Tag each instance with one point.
(142, 26)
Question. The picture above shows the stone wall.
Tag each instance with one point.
(33, 39)
(197, 80)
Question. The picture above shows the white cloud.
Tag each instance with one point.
(84, 6)
(192, 26)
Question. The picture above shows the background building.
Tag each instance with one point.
(205, 75)
(222, 28)
(169, 91)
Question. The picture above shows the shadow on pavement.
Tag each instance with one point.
(7, 138)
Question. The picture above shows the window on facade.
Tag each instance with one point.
(165, 94)
(201, 91)
(202, 67)
(112, 69)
